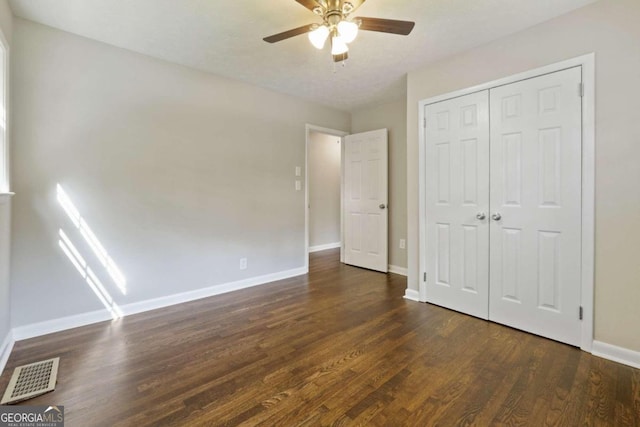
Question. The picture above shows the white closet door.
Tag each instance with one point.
(536, 205)
(366, 199)
(457, 196)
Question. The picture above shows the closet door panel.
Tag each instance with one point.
(535, 199)
(457, 191)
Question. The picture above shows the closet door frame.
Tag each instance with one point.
(587, 64)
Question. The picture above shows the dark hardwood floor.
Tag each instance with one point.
(339, 346)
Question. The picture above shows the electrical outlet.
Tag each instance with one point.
(243, 263)
(403, 244)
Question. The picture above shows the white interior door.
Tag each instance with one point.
(535, 197)
(365, 200)
(457, 202)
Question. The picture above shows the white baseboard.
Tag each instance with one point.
(412, 295)
(398, 270)
(5, 350)
(617, 354)
(61, 324)
(152, 304)
(319, 248)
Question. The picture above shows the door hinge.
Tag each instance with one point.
(581, 90)
(424, 122)
(580, 313)
(424, 277)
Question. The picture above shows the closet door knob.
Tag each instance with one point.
(496, 216)
(481, 216)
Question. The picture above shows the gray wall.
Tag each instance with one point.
(323, 161)
(178, 173)
(5, 289)
(610, 29)
(6, 26)
(392, 116)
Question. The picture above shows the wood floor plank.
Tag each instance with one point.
(339, 346)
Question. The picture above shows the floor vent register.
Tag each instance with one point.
(31, 380)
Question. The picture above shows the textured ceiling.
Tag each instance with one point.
(225, 38)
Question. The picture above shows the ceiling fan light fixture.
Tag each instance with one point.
(348, 31)
(338, 24)
(319, 36)
(338, 46)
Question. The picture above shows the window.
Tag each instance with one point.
(4, 143)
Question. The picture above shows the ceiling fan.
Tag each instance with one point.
(339, 26)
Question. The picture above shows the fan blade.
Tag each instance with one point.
(386, 25)
(341, 57)
(288, 34)
(309, 4)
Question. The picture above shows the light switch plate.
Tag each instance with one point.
(298, 185)
(298, 171)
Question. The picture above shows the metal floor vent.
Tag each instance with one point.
(31, 380)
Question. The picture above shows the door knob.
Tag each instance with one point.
(481, 216)
(382, 206)
(496, 216)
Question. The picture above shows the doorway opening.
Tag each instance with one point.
(323, 190)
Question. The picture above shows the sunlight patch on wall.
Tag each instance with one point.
(85, 271)
(91, 239)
